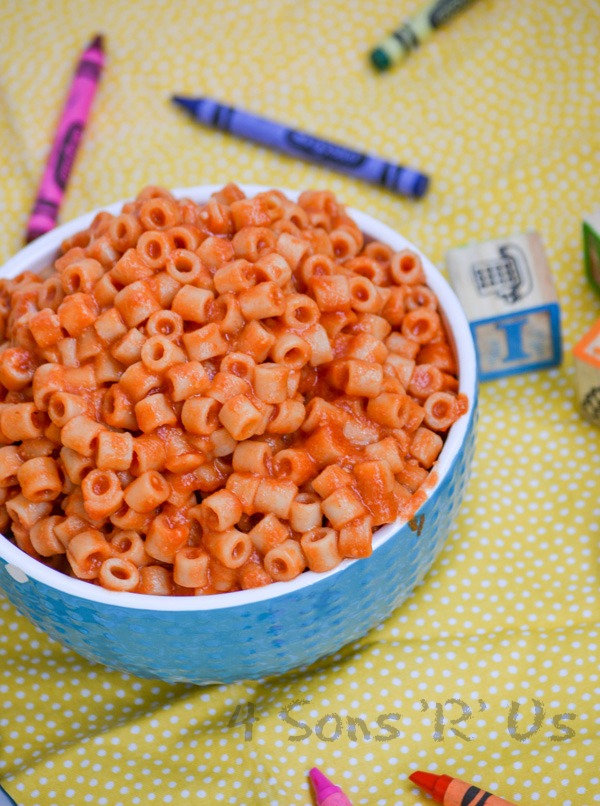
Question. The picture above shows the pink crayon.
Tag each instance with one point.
(327, 793)
(66, 142)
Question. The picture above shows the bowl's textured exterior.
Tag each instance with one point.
(256, 639)
(250, 634)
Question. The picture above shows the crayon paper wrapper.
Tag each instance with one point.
(489, 672)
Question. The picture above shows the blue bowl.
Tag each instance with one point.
(268, 631)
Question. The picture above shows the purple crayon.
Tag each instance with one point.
(367, 167)
(66, 142)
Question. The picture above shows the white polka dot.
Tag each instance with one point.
(16, 573)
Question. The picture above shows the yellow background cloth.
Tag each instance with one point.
(492, 665)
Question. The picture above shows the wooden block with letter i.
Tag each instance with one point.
(508, 294)
(591, 248)
(587, 373)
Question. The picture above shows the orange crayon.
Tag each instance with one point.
(453, 792)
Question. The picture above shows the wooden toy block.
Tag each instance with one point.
(508, 294)
(587, 373)
(591, 248)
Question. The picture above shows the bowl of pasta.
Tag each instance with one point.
(236, 426)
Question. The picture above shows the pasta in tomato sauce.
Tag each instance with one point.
(199, 398)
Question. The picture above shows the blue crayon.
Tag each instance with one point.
(304, 146)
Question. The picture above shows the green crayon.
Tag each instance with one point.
(414, 32)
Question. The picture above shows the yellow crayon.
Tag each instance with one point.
(414, 32)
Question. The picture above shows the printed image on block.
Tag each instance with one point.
(591, 249)
(587, 373)
(506, 288)
(514, 342)
(508, 276)
(590, 405)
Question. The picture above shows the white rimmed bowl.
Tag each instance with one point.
(270, 630)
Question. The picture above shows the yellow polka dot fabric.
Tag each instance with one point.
(490, 671)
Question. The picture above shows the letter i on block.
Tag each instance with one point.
(591, 248)
(508, 294)
(587, 373)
